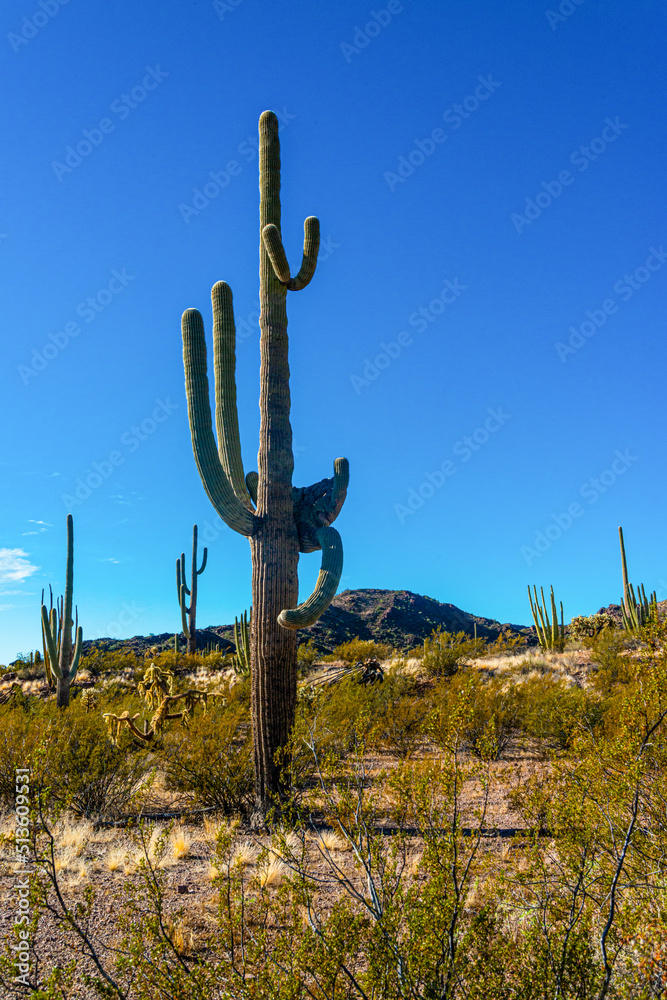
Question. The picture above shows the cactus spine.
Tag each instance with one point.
(57, 624)
(242, 640)
(189, 627)
(550, 634)
(637, 608)
(278, 519)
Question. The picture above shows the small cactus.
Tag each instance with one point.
(241, 662)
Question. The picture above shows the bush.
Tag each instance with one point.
(479, 716)
(552, 711)
(71, 755)
(359, 650)
(212, 761)
(589, 626)
(400, 728)
(445, 651)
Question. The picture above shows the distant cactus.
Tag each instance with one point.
(61, 661)
(637, 609)
(550, 634)
(189, 627)
(241, 663)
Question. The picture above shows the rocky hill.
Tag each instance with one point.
(398, 618)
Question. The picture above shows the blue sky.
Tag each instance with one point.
(483, 338)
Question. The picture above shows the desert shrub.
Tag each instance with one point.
(71, 755)
(487, 714)
(505, 643)
(445, 651)
(359, 650)
(612, 667)
(211, 762)
(98, 661)
(400, 727)
(306, 655)
(556, 713)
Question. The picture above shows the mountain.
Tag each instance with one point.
(397, 618)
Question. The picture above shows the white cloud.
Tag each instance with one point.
(111, 560)
(15, 565)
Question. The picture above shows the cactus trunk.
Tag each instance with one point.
(63, 660)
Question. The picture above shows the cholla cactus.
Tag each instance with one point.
(152, 732)
(157, 682)
(589, 626)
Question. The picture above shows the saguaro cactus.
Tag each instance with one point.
(278, 519)
(189, 628)
(57, 630)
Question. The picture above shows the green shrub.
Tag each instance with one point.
(359, 650)
(71, 755)
(482, 716)
(445, 651)
(211, 762)
(400, 727)
(553, 712)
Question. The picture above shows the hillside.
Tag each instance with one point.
(398, 618)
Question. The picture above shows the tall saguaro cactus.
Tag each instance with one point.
(279, 520)
(189, 627)
(57, 624)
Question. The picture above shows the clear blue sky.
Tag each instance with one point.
(489, 182)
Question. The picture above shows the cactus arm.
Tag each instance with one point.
(251, 481)
(180, 576)
(273, 245)
(216, 483)
(184, 613)
(311, 244)
(226, 412)
(325, 588)
(203, 562)
(624, 567)
(534, 607)
(311, 247)
(50, 627)
(77, 653)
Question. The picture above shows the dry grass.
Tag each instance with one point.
(115, 859)
(271, 872)
(329, 841)
(245, 853)
(180, 843)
